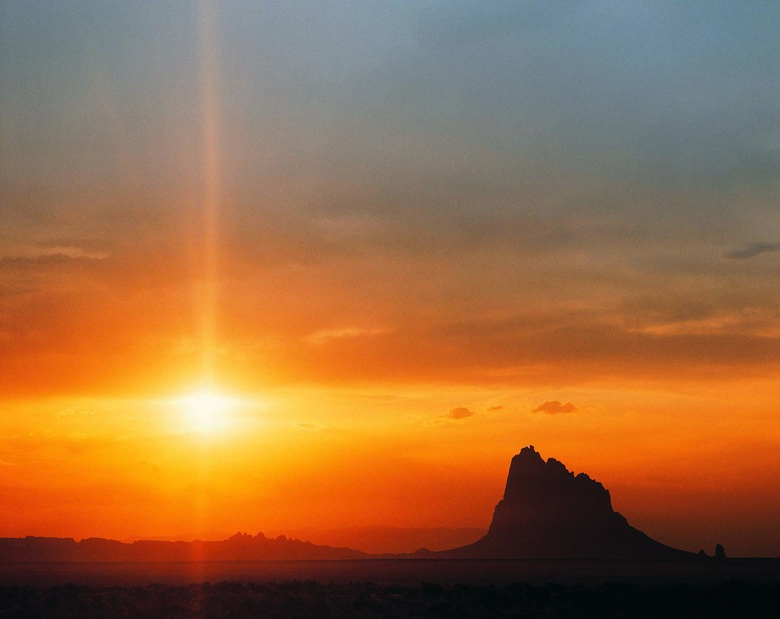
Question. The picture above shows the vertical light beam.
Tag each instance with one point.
(207, 292)
(211, 175)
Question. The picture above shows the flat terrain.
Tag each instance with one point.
(392, 588)
(392, 571)
(296, 599)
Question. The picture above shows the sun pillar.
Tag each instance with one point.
(207, 292)
(211, 187)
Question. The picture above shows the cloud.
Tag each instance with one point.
(321, 337)
(460, 412)
(752, 250)
(309, 427)
(37, 254)
(554, 407)
(495, 408)
(532, 349)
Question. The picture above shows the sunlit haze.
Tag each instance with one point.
(206, 411)
(289, 265)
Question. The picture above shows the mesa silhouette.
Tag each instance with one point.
(549, 513)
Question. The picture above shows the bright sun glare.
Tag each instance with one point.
(206, 411)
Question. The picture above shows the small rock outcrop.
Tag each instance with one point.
(548, 512)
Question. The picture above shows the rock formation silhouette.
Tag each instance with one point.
(548, 512)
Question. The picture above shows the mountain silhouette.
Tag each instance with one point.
(548, 512)
(240, 547)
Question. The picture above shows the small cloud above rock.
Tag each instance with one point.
(460, 413)
(554, 407)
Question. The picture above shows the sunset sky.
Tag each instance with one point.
(273, 265)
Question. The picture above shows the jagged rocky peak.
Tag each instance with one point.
(551, 488)
(548, 511)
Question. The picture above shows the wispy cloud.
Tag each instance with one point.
(309, 427)
(554, 407)
(322, 337)
(72, 252)
(753, 250)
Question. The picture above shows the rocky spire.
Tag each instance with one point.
(548, 512)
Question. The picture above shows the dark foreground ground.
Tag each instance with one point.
(392, 588)
(289, 600)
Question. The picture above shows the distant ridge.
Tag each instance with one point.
(240, 547)
(384, 540)
(548, 512)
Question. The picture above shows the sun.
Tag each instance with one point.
(206, 411)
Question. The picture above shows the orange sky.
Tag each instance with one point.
(404, 243)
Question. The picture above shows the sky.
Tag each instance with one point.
(284, 265)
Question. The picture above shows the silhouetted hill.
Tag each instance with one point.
(548, 512)
(240, 547)
(389, 540)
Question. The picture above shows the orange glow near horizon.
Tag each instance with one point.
(208, 464)
(261, 273)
